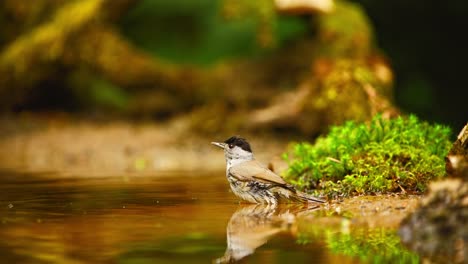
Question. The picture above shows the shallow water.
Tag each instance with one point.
(170, 219)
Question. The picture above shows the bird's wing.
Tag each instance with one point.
(254, 170)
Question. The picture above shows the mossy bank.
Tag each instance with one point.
(381, 156)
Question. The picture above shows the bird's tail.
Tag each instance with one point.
(291, 194)
(308, 198)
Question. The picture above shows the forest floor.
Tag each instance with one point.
(84, 147)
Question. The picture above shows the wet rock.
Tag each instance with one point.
(438, 230)
(456, 162)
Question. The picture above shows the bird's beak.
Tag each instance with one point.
(219, 144)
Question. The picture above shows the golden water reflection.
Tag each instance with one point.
(251, 226)
(175, 219)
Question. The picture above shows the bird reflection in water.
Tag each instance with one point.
(251, 226)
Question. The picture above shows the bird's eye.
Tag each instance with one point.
(231, 145)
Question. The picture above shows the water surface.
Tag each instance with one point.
(180, 218)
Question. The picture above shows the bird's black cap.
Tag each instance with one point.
(238, 141)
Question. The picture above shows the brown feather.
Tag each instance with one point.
(254, 170)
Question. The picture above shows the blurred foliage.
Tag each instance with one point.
(347, 33)
(205, 32)
(262, 13)
(401, 154)
(98, 94)
(337, 75)
(195, 48)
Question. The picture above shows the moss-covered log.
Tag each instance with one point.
(79, 35)
(349, 79)
(33, 56)
(306, 86)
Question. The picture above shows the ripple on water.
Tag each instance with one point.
(173, 219)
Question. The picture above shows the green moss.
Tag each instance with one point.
(401, 154)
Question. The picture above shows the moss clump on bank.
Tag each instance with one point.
(396, 155)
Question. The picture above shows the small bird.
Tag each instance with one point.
(253, 182)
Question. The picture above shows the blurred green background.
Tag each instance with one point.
(195, 32)
(423, 42)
